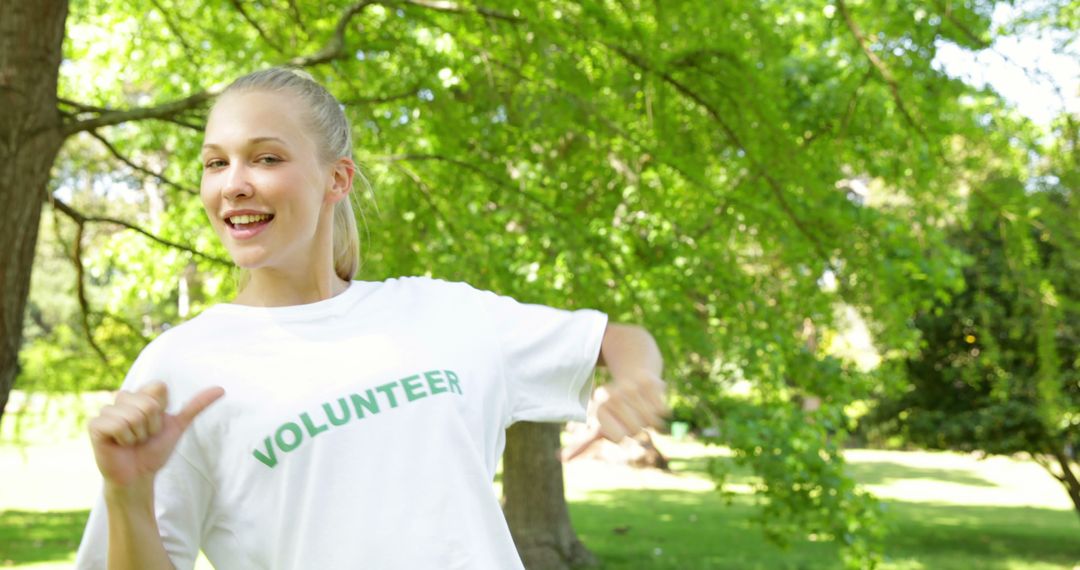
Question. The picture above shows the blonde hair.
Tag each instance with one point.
(333, 135)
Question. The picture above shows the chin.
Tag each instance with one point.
(248, 261)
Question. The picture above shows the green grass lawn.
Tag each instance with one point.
(944, 511)
(40, 539)
(683, 530)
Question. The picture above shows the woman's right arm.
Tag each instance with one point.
(132, 439)
(134, 540)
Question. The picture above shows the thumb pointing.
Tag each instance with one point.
(197, 404)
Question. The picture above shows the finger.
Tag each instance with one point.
(632, 419)
(648, 395)
(654, 401)
(152, 399)
(137, 421)
(110, 429)
(151, 410)
(639, 402)
(138, 409)
(197, 404)
(656, 396)
(652, 420)
(158, 391)
(625, 408)
(642, 410)
(575, 449)
(611, 427)
(646, 408)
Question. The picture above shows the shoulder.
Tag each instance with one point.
(202, 328)
(422, 287)
(168, 351)
(425, 283)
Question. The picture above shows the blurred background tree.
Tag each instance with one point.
(743, 178)
(999, 369)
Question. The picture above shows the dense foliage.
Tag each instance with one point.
(999, 371)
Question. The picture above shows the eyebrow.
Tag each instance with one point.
(251, 141)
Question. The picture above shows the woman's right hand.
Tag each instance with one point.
(134, 437)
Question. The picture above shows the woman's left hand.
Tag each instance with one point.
(624, 407)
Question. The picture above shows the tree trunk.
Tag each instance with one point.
(534, 501)
(1068, 478)
(31, 36)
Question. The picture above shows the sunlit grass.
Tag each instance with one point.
(997, 514)
(31, 538)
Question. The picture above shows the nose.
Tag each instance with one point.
(237, 183)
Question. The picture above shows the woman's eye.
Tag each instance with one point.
(268, 159)
(214, 163)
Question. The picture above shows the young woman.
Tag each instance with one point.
(321, 422)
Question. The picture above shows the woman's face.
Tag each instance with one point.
(267, 194)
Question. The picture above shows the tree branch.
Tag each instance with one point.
(547, 208)
(255, 24)
(39, 319)
(335, 47)
(714, 113)
(1068, 478)
(172, 28)
(298, 17)
(127, 324)
(656, 153)
(116, 153)
(849, 111)
(79, 218)
(187, 125)
(381, 98)
(454, 8)
(425, 190)
(166, 111)
(80, 281)
(83, 107)
(694, 58)
(473, 168)
(882, 69)
(947, 12)
(1047, 466)
(80, 286)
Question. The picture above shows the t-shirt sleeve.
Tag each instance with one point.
(182, 496)
(547, 355)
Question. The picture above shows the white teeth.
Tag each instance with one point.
(248, 219)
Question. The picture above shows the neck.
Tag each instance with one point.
(270, 288)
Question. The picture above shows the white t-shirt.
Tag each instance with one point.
(362, 431)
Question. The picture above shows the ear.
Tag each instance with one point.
(341, 180)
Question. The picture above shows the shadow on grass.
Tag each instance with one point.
(865, 472)
(39, 536)
(685, 530)
(993, 534)
(704, 465)
(879, 472)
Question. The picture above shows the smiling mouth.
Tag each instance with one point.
(246, 222)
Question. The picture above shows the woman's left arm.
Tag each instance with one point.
(634, 399)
